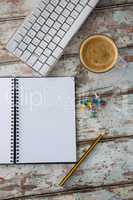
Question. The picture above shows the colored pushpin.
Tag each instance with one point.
(89, 105)
(86, 101)
(82, 108)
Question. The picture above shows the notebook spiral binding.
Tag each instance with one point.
(12, 122)
(17, 118)
(14, 156)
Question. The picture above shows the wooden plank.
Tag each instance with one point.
(116, 3)
(16, 8)
(118, 123)
(125, 193)
(110, 164)
(16, 69)
(117, 23)
(110, 193)
(119, 77)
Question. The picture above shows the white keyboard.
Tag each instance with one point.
(41, 39)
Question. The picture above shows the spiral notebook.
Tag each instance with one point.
(37, 120)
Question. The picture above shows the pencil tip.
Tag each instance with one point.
(103, 132)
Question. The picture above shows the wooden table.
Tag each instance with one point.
(108, 173)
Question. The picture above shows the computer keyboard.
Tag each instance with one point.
(41, 39)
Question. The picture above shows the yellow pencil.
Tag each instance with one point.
(83, 157)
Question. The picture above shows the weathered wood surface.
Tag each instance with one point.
(108, 174)
(111, 193)
(17, 8)
(111, 163)
(117, 23)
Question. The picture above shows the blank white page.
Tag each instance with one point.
(5, 120)
(47, 120)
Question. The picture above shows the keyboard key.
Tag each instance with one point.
(70, 6)
(61, 19)
(52, 31)
(49, 7)
(84, 2)
(37, 12)
(43, 58)
(36, 27)
(27, 39)
(51, 46)
(65, 27)
(66, 13)
(61, 33)
(28, 25)
(18, 52)
(32, 33)
(47, 52)
(23, 31)
(40, 35)
(54, 2)
(74, 14)
(70, 20)
(22, 46)
(41, 20)
(35, 41)
(37, 66)
(63, 3)
(41, 5)
(48, 38)
(51, 60)
(56, 39)
(32, 59)
(45, 69)
(75, 2)
(54, 16)
(18, 38)
(57, 52)
(39, 51)
(25, 55)
(45, 28)
(12, 45)
(43, 44)
(45, 14)
(31, 47)
(79, 8)
(49, 22)
(32, 19)
(57, 25)
(58, 9)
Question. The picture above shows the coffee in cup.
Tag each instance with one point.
(98, 53)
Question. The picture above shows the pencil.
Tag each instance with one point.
(83, 157)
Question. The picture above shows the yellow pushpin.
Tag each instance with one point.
(89, 105)
(82, 108)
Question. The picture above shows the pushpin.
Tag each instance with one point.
(89, 105)
(86, 101)
(82, 108)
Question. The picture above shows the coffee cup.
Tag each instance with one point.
(98, 53)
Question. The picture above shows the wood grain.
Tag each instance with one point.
(17, 9)
(117, 24)
(109, 193)
(108, 173)
(111, 163)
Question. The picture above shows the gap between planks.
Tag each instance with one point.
(73, 190)
(100, 8)
(15, 60)
(106, 139)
